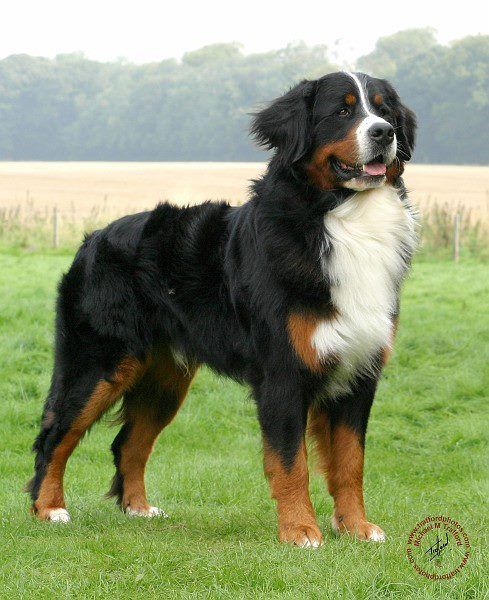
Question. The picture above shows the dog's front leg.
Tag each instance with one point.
(339, 434)
(283, 416)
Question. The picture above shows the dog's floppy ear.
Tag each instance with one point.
(406, 132)
(285, 124)
(405, 124)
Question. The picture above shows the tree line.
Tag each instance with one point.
(73, 108)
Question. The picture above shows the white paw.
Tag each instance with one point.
(362, 530)
(59, 515)
(376, 535)
(310, 543)
(334, 524)
(302, 536)
(152, 511)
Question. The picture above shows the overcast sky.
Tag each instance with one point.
(150, 30)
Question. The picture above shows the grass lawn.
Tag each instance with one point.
(426, 455)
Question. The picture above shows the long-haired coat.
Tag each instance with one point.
(295, 293)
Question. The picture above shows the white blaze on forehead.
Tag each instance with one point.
(363, 141)
(363, 97)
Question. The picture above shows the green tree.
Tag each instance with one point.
(72, 108)
(392, 50)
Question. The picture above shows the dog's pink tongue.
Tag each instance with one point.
(375, 168)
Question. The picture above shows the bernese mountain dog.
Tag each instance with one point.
(295, 293)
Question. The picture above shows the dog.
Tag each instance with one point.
(295, 293)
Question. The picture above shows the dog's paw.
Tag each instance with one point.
(54, 515)
(361, 529)
(150, 511)
(304, 536)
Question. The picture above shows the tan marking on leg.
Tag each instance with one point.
(301, 329)
(345, 483)
(51, 494)
(134, 456)
(171, 375)
(345, 476)
(148, 418)
(290, 488)
(318, 428)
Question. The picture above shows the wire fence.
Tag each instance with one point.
(445, 230)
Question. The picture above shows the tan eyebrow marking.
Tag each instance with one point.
(350, 99)
(378, 99)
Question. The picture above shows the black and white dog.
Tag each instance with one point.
(295, 293)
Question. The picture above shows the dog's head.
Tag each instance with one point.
(343, 130)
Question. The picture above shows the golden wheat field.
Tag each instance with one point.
(103, 190)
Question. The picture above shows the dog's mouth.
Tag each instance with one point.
(375, 169)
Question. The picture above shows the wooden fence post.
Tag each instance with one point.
(456, 237)
(55, 228)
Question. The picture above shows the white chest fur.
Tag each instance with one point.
(369, 236)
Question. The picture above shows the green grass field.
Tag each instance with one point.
(426, 455)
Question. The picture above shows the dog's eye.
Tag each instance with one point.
(344, 112)
(383, 110)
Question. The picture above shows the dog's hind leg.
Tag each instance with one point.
(69, 412)
(147, 408)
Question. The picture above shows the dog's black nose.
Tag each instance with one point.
(382, 133)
